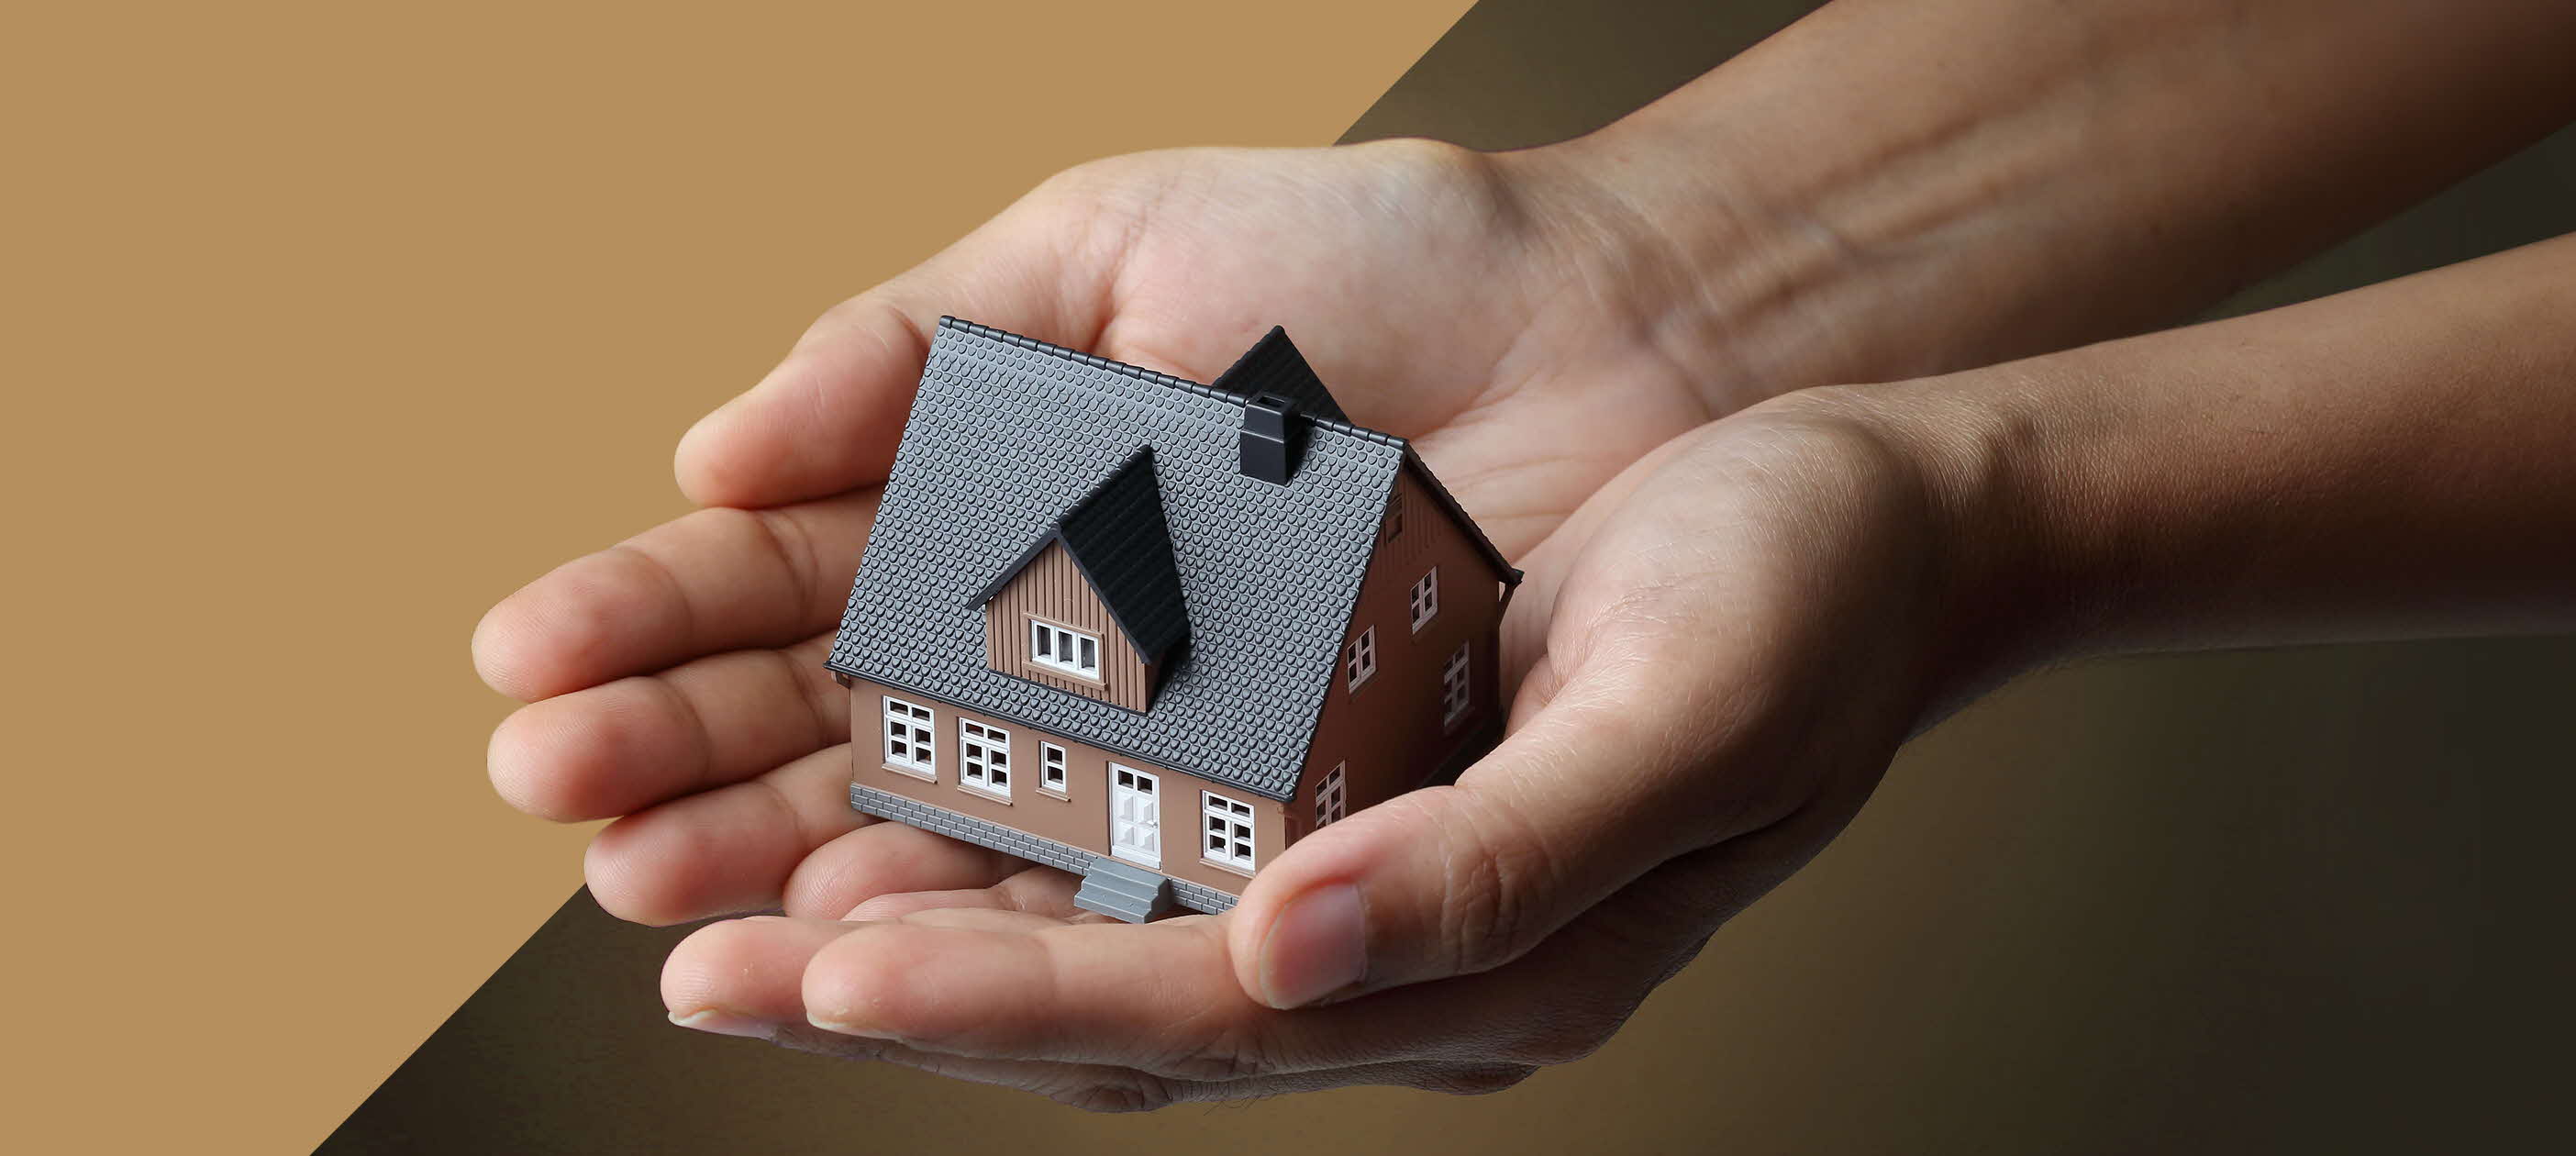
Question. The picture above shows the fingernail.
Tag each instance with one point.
(725, 1023)
(1317, 946)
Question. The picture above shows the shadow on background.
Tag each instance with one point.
(2241, 901)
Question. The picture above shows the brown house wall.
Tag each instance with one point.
(1052, 588)
(1388, 734)
(1081, 817)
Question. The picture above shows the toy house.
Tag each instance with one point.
(1152, 632)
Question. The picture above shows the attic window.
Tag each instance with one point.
(1363, 657)
(1057, 648)
(1394, 516)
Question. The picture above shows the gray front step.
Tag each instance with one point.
(1123, 890)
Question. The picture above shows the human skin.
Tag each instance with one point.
(1602, 298)
(1736, 634)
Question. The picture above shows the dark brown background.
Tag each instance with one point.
(2303, 899)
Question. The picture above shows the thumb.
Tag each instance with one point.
(1606, 781)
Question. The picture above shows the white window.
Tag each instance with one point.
(1061, 649)
(1363, 657)
(1229, 831)
(1051, 773)
(1425, 600)
(1135, 817)
(984, 759)
(1453, 687)
(1332, 799)
(907, 739)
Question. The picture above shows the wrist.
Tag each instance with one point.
(2004, 589)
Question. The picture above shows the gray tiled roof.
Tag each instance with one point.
(1006, 434)
(1118, 536)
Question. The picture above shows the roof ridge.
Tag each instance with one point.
(1156, 376)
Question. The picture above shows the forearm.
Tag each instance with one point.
(1904, 188)
(2394, 461)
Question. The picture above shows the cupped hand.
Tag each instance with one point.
(1722, 650)
(1488, 308)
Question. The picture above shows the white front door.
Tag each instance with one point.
(1135, 816)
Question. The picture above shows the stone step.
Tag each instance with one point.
(1123, 891)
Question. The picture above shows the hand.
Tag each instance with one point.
(1482, 306)
(1730, 641)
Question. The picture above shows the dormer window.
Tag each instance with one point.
(1069, 651)
(1093, 605)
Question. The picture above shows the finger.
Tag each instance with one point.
(620, 747)
(1155, 997)
(999, 984)
(828, 417)
(710, 581)
(730, 849)
(1041, 892)
(887, 858)
(1606, 781)
(1108, 1088)
(740, 977)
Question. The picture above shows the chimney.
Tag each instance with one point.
(1264, 438)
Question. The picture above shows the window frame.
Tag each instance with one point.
(1422, 601)
(1230, 823)
(921, 726)
(983, 759)
(1042, 633)
(1055, 770)
(1457, 687)
(1332, 797)
(1359, 659)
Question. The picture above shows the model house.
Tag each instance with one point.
(1153, 632)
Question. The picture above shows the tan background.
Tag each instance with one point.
(325, 329)
(328, 324)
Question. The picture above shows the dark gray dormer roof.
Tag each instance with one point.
(1121, 541)
(1274, 366)
(1009, 434)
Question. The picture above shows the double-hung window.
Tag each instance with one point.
(984, 759)
(1424, 600)
(908, 745)
(1453, 688)
(1057, 648)
(1228, 838)
(1363, 657)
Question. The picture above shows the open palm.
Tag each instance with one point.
(675, 680)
